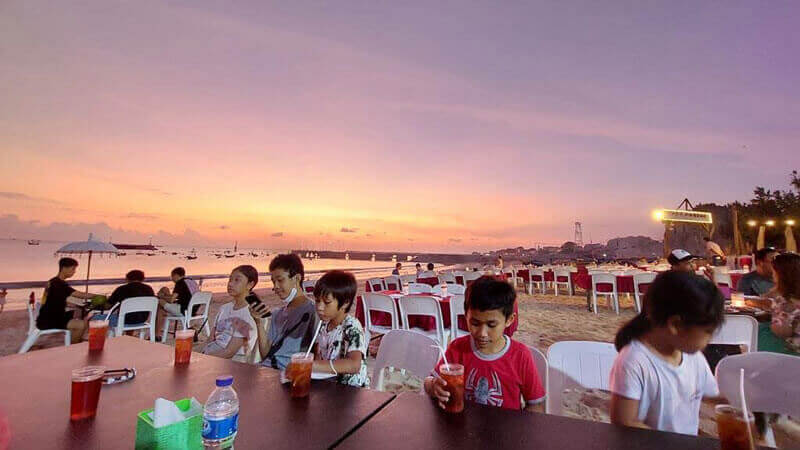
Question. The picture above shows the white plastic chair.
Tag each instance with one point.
(770, 381)
(641, 279)
(456, 309)
(34, 333)
(542, 367)
(382, 303)
(572, 364)
(308, 288)
(737, 330)
(456, 289)
(447, 277)
(471, 276)
(419, 288)
(376, 284)
(558, 279)
(392, 283)
(441, 289)
(423, 305)
(199, 298)
(407, 350)
(723, 279)
(536, 279)
(408, 278)
(137, 304)
(459, 274)
(605, 278)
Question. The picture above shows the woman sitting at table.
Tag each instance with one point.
(786, 306)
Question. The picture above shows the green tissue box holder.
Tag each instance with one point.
(187, 434)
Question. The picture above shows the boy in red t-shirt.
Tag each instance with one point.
(498, 371)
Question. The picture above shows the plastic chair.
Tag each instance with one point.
(604, 278)
(770, 381)
(447, 277)
(408, 278)
(407, 350)
(456, 289)
(429, 278)
(641, 280)
(471, 276)
(199, 298)
(137, 304)
(34, 333)
(737, 330)
(423, 305)
(375, 284)
(536, 278)
(308, 288)
(542, 367)
(456, 309)
(419, 288)
(382, 303)
(392, 283)
(459, 276)
(572, 364)
(562, 277)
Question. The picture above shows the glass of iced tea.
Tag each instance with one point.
(97, 334)
(299, 374)
(183, 346)
(732, 428)
(453, 374)
(86, 384)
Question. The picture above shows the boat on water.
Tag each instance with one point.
(33, 242)
(254, 254)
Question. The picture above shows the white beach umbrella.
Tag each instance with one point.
(791, 244)
(89, 247)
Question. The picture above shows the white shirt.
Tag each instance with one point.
(669, 396)
(229, 325)
(713, 249)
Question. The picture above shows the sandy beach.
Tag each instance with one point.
(543, 320)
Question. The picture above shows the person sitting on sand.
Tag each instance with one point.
(498, 371)
(53, 313)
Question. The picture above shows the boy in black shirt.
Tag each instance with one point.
(135, 287)
(53, 313)
(175, 303)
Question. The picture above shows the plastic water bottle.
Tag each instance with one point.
(221, 415)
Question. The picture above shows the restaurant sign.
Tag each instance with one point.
(681, 215)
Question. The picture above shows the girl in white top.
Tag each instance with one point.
(660, 376)
(234, 332)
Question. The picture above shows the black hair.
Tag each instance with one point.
(289, 262)
(398, 265)
(706, 238)
(787, 265)
(418, 265)
(694, 299)
(488, 293)
(340, 284)
(761, 254)
(63, 263)
(249, 272)
(179, 271)
(135, 275)
(430, 266)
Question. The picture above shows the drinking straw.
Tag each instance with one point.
(314, 339)
(744, 409)
(441, 350)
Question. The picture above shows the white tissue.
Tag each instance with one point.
(166, 413)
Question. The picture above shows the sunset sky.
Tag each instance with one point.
(438, 126)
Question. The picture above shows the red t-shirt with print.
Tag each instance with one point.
(498, 379)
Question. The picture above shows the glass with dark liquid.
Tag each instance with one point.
(299, 374)
(183, 346)
(732, 428)
(97, 334)
(86, 383)
(453, 375)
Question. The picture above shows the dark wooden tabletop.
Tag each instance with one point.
(414, 421)
(35, 394)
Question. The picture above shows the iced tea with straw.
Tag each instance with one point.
(97, 334)
(183, 346)
(453, 375)
(86, 383)
(299, 374)
(732, 428)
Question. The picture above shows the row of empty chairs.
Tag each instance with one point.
(413, 305)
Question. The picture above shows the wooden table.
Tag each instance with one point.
(35, 394)
(413, 422)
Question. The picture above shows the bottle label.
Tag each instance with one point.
(220, 428)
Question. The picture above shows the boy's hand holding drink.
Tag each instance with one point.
(439, 391)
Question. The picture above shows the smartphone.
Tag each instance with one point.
(253, 300)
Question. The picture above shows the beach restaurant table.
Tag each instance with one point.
(414, 421)
(425, 322)
(624, 283)
(35, 395)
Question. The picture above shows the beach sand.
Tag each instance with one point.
(543, 320)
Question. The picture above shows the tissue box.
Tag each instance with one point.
(187, 434)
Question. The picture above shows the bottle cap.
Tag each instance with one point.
(224, 380)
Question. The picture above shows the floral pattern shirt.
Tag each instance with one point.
(335, 344)
(787, 312)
